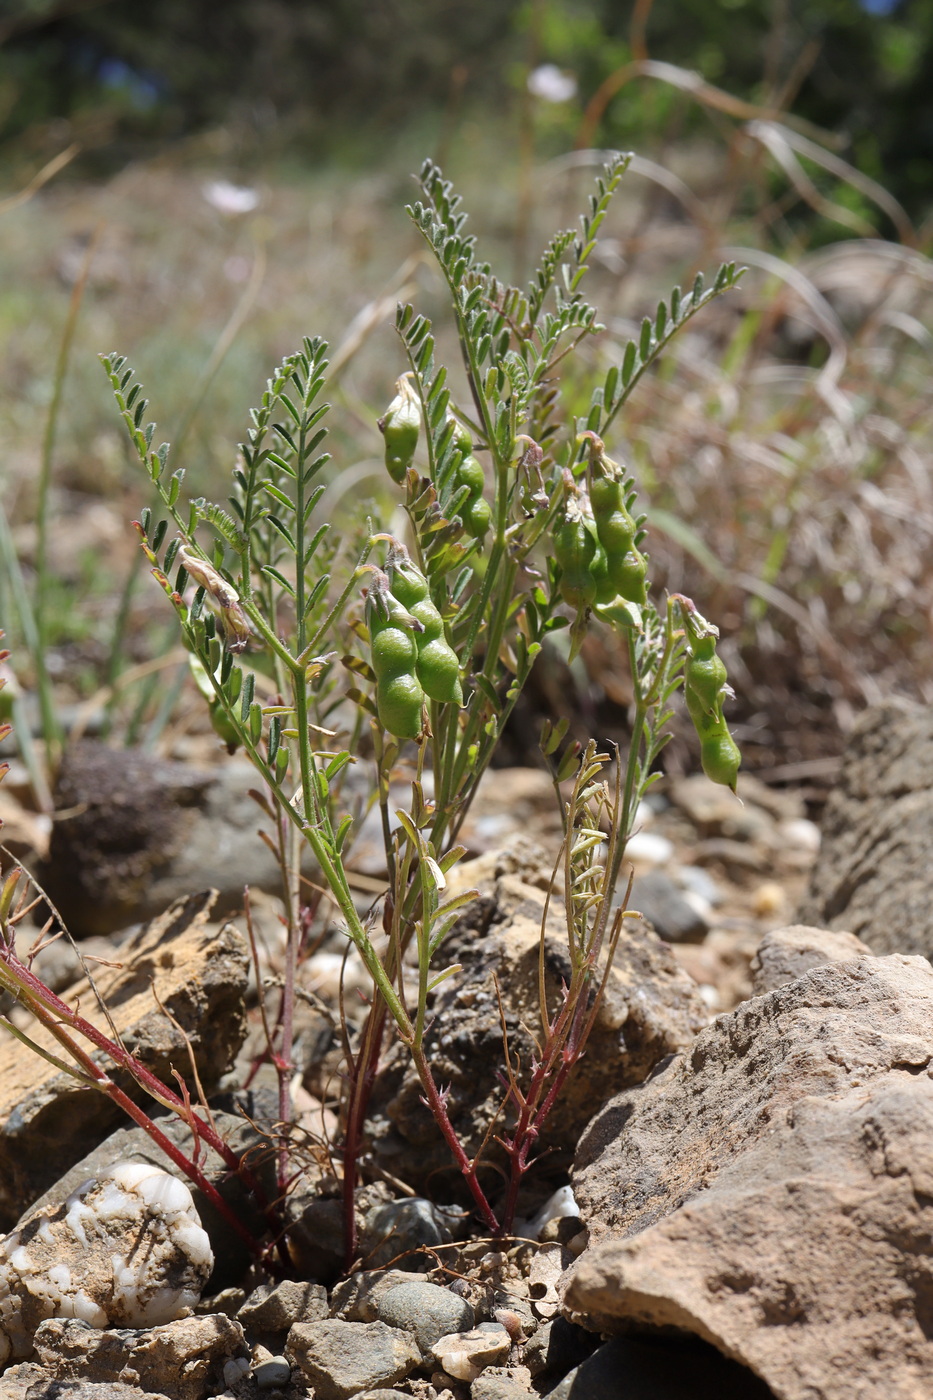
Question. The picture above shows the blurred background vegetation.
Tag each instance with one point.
(200, 184)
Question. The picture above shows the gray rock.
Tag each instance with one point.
(785, 954)
(657, 897)
(143, 832)
(556, 1347)
(715, 812)
(342, 1358)
(425, 1310)
(277, 1307)
(502, 1383)
(356, 1299)
(397, 1227)
(315, 1233)
(771, 1190)
(630, 1368)
(272, 1374)
(183, 1359)
(48, 1120)
(651, 1008)
(872, 873)
(84, 1390)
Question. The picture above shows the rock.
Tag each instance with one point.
(315, 1233)
(49, 1120)
(15, 1382)
(464, 1355)
(651, 1008)
(272, 1374)
(396, 1227)
(771, 1190)
(183, 1359)
(657, 897)
(356, 1299)
(737, 858)
(46, 1389)
(342, 1358)
(277, 1307)
(231, 1255)
(125, 1249)
(139, 832)
(714, 811)
(502, 1383)
(426, 1310)
(785, 954)
(557, 1347)
(872, 873)
(649, 848)
(630, 1368)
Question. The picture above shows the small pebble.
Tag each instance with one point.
(235, 1369)
(768, 899)
(649, 847)
(699, 881)
(464, 1355)
(271, 1374)
(800, 834)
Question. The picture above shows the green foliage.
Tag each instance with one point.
(452, 627)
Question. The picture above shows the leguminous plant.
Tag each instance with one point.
(406, 653)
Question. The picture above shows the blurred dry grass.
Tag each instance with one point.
(786, 444)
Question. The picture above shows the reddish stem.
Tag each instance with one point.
(535, 1109)
(362, 1073)
(437, 1104)
(48, 1001)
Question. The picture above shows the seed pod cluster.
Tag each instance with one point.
(626, 566)
(437, 665)
(394, 654)
(475, 511)
(400, 427)
(578, 549)
(705, 689)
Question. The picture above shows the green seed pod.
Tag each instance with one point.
(399, 702)
(470, 474)
(462, 440)
(439, 672)
(705, 681)
(438, 668)
(475, 512)
(705, 689)
(406, 580)
(476, 517)
(578, 550)
(394, 653)
(629, 574)
(400, 427)
(627, 567)
(720, 757)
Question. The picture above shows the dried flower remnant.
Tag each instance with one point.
(236, 627)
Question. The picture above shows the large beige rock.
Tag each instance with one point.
(771, 1190)
(784, 954)
(872, 875)
(196, 972)
(651, 1009)
(181, 1360)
